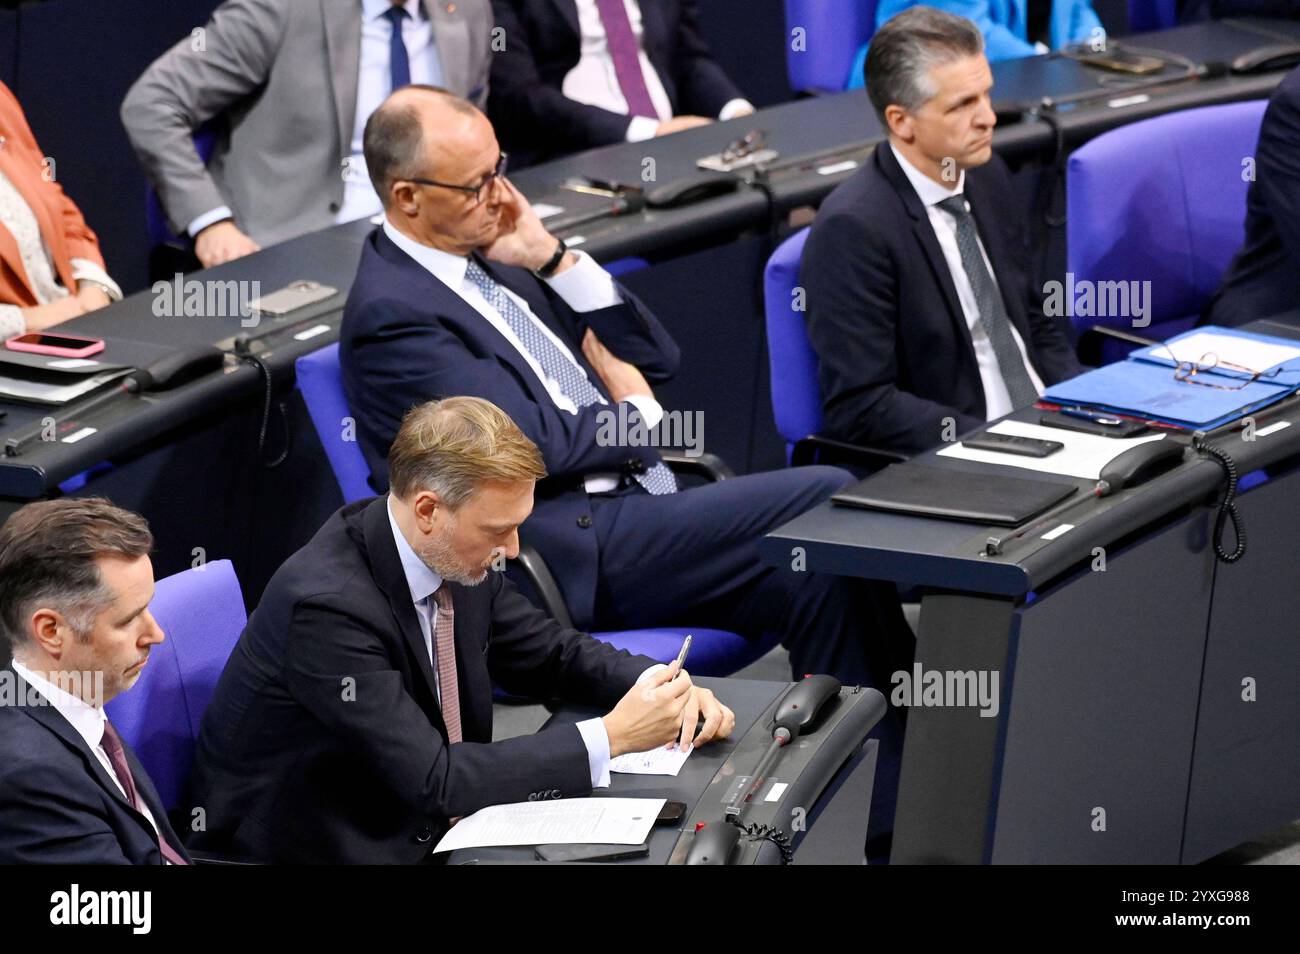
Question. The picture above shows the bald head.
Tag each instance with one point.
(415, 129)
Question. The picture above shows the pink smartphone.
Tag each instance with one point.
(62, 346)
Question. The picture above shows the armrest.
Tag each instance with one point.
(548, 591)
(709, 466)
(816, 449)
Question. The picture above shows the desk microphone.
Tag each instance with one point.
(1209, 70)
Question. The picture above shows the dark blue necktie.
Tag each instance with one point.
(399, 66)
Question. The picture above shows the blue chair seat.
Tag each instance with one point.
(714, 652)
(201, 611)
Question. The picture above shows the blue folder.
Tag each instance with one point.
(1143, 385)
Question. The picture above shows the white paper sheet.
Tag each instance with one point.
(660, 761)
(1084, 455)
(1256, 355)
(564, 821)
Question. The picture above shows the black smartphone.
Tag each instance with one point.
(590, 852)
(671, 814)
(1013, 444)
(1098, 424)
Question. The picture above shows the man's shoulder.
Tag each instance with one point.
(332, 567)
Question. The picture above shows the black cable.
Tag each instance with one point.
(1228, 506)
(242, 350)
(768, 833)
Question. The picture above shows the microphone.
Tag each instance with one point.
(1209, 70)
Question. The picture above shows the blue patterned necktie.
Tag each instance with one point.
(399, 65)
(657, 478)
(992, 310)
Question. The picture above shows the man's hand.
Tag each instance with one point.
(41, 317)
(620, 378)
(522, 239)
(680, 123)
(222, 242)
(719, 721)
(650, 714)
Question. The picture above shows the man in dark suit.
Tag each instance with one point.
(75, 587)
(1261, 280)
(353, 721)
(576, 74)
(918, 340)
(463, 291)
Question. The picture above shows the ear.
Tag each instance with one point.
(401, 195)
(426, 506)
(899, 122)
(50, 631)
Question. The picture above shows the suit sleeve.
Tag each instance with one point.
(1277, 166)
(852, 296)
(410, 359)
(527, 111)
(532, 655)
(703, 88)
(44, 820)
(338, 669)
(78, 239)
(186, 87)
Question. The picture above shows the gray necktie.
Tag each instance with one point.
(992, 310)
(656, 478)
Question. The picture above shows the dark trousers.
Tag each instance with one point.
(691, 559)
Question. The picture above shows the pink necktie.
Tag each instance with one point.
(112, 743)
(444, 642)
(626, 55)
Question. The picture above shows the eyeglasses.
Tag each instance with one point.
(1187, 371)
(475, 190)
(746, 145)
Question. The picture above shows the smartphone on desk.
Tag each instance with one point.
(1012, 444)
(60, 346)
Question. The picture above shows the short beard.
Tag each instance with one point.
(437, 555)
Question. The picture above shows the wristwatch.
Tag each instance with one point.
(547, 270)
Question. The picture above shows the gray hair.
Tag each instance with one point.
(393, 141)
(907, 47)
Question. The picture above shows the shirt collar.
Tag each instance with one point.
(88, 720)
(374, 9)
(929, 191)
(444, 266)
(420, 580)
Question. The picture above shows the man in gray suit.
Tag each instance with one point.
(291, 83)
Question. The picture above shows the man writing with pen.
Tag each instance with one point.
(353, 721)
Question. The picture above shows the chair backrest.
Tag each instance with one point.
(821, 58)
(202, 613)
(160, 233)
(1146, 15)
(1162, 200)
(320, 379)
(792, 363)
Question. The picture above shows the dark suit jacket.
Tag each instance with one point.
(58, 804)
(1261, 280)
(895, 353)
(324, 741)
(407, 338)
(536, 121)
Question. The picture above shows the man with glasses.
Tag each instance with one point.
(286, 89)
(463, 291)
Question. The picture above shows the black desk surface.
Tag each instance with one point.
(946, 554)
(745, 697)
(821, 133)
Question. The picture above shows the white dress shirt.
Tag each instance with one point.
(584, 287)
(34, 251)
(88, 721)
(423, 582)
(374, 83)
(997, 401)
(594, 82)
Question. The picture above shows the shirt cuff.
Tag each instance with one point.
(596, 739)
(641, 128)
(651, 411)
(734, 108)
(586, 286)
(84, 270)
(209, 218)
(12, 322)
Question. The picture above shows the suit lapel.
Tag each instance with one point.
(451, 36)
(925, 236)
(386, 567)
(342, 20)
(569, 10)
